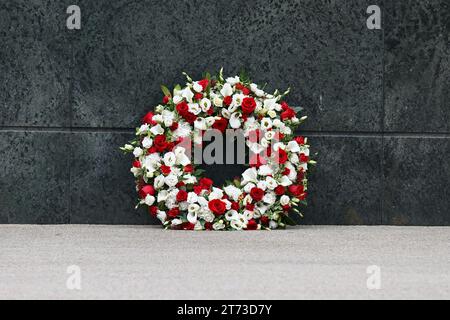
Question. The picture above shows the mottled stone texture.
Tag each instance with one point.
(377, 100)
(345, 185)
(417, 78)
(102, 187)
(34, 64)
(417, 176)
(322, 49)
(34, 177)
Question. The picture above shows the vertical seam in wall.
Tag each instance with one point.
(383, 111)
(70, 122)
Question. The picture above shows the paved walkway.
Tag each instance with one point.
(308, 262)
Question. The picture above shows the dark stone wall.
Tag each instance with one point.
(378, 101)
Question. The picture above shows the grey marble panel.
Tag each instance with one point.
(34, 177)
(102, 187)
(417, 70)
(345, 186)
(322, 49)
(35, 57)
(416, 181)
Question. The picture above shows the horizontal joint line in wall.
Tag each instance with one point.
(312, 133)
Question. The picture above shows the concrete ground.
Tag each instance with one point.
(146, 262)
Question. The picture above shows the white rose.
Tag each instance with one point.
(159, 182)
(149, 200)
(192, 197)
(216, 194)
(157, 130)
(177, 99)
(273, 224)
(187, 94)
(162, 195)
(208, 216)
(227, 90)
(284, 181)
(233, 80)
(233, 192)
(171, 180)
(293, 146)
(137, 152)
(143, 129)
(218, 102)
(218, 225)
(147, 142)
(170, 159)
(197, 87)
(265, 170)
(270, 198)
(249, 186)
(271, 183)
(161, 215)
(284, 200)
(272, 114)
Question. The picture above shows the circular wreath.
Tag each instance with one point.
(174, 188)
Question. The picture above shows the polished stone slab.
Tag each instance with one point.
(416, 181)
(322, 49)
(102, 186)
(34, 177)
(345, 186)
(417, 66)
(35, 63)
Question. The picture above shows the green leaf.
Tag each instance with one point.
(288, 220)
(166, 91)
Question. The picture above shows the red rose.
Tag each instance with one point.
(205, 183)
(303, 157)
(288, 114)
(165, 100)
(182, 196)
(300, 140)
(220, 124)
(280, 190)
(248, 105)
(165, 170)
(160, 143)
(198, 189)
(174, 126)
(282, 156)
(251, 225)
(174, 212)
(235, 205)
(257, 194)
(190, 117)
(204, 83)
(189, 168)
(217, 206)
(244, 89)
(296, 190)
(250, 207)
(265, 220)
(153, 210)
(182, 108)
(208, 226)
(227, 100)
(286, 171)
(148, 118)
(188, 226)
(198, 96)
(286, 207)
(136, 164)
(284, 105)
(146, 190)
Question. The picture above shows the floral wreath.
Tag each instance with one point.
(174, 188)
